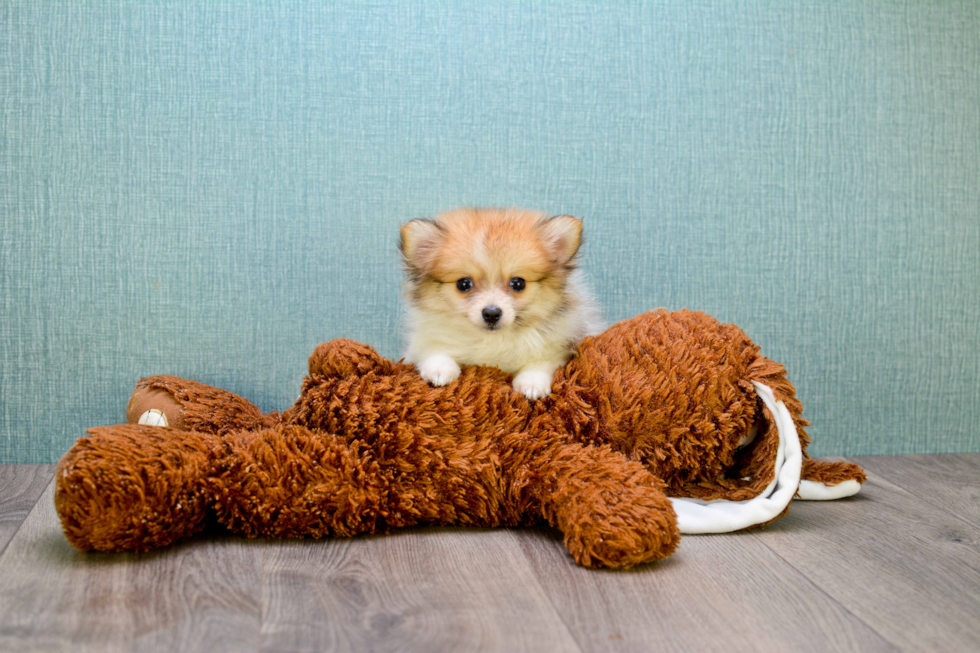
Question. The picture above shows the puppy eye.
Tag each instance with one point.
(517, 284)
(464, 285)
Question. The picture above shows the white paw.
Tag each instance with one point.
(153, 417)
(533, 384)
(439, 369)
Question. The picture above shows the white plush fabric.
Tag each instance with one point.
(696, 516)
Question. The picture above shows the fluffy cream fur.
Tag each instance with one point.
(539, 325)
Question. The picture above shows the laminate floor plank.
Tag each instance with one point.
(948, 481)
(895, 568)
(904, 567)
(716, 593)
(20, 487)
(202, 595)
(419, 590)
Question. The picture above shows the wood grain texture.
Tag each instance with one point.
(886, 570)
(950, 482)
(20, 486)
(421, 590)
(717, 593)
(199, 596)
(909, 570)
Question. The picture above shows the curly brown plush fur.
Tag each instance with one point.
(655, 406)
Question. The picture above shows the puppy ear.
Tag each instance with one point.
(419, 241)
(563, 235)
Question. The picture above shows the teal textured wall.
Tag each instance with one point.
(211, 189)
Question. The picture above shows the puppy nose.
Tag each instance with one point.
(491, 314)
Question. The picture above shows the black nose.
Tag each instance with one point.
(491, 314)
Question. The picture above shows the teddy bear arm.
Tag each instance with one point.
(134, 488)
(344, 357)
(612, 511)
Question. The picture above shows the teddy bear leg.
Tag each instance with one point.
(192, 406)
(154, 407)
(133, 487)
(823, 480)
(612, 511)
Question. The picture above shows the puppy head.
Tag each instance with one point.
(494, 268)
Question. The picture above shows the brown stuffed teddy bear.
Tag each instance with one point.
(662, 405)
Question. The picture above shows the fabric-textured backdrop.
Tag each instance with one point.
(211, 189)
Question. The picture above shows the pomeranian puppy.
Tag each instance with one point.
(495, 287)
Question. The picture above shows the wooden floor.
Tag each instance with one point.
(895, 568)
